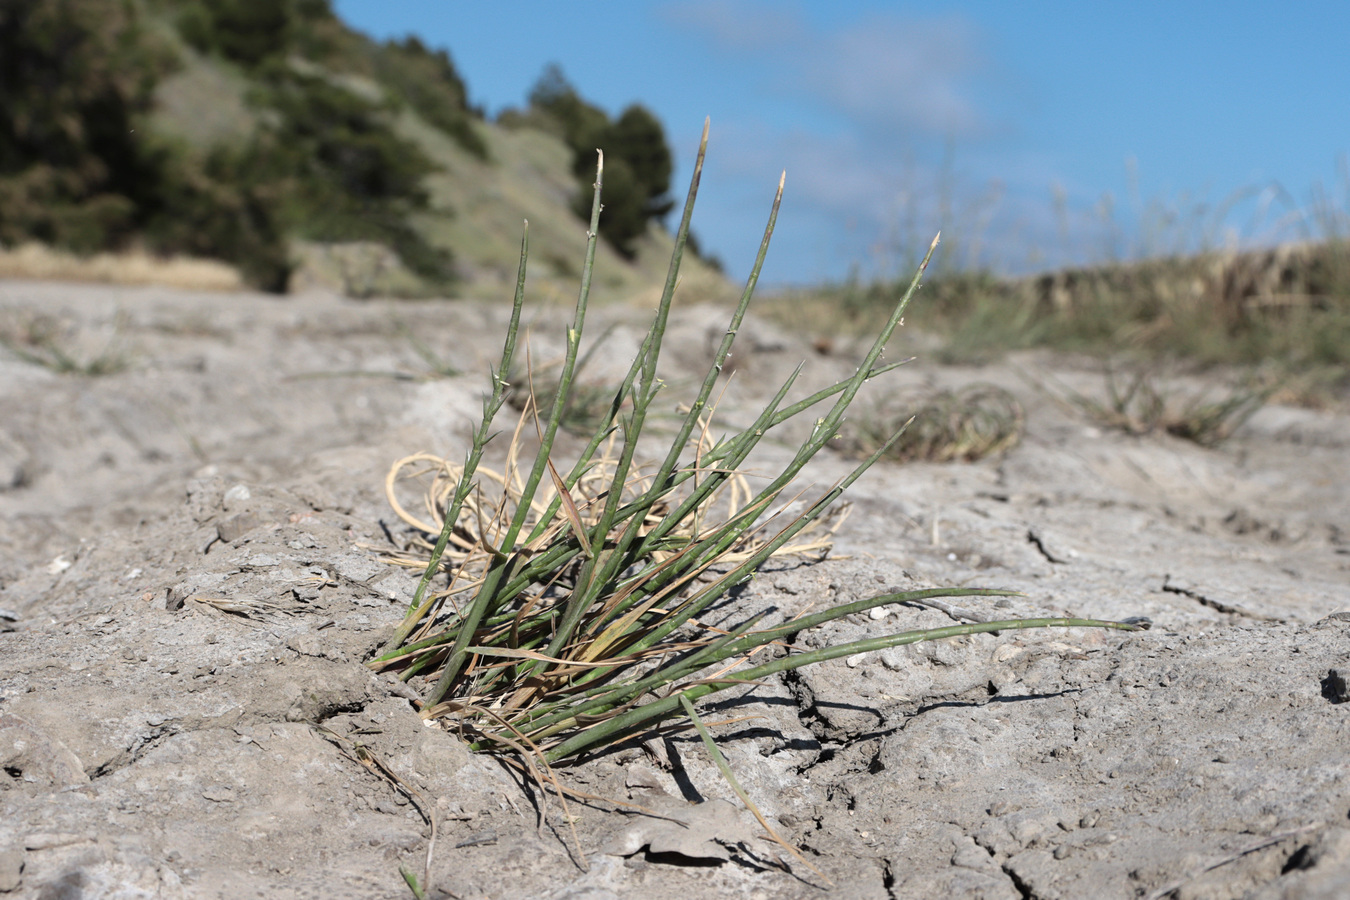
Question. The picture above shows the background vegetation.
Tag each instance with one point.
(1285, 310)
(334, 140)
(255, 132)
(637, 161)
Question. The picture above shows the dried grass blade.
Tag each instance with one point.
(725, 768)
(540, 657)
(570, 509)
(530, 755)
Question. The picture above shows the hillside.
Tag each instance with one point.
(300, 153)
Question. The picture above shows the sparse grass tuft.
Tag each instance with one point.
(45, 341)
(586, 407)
(573, 617)
(966, 424)
(437, 366)
(1135, 404)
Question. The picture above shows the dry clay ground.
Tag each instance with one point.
(155, 743)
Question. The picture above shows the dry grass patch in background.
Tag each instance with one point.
(965, 424)
(1288, 307)
(1137, 403)
(41, 262)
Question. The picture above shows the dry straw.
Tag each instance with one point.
(34, 260)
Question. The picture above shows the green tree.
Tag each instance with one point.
(75, 77)
(624, 217)
(217, 206)
(637, 160)
(577, 122)
(427, 81)
(244, 31)
(639, 140)
(254, 32)
(340, 173)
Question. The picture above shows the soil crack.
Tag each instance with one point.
(1217, 605)
(1034, 538)
(1025, 890)
(144, 743)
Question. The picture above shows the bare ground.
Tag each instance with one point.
(190, 583)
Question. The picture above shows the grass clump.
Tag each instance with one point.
(573, 614)
(1137, 405)
(964, 424)
(44, 340)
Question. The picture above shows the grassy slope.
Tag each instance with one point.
(529, 177)
(477, 207)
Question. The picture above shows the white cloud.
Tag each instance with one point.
(893, 125)
(889, 74)
(866, 204)
(739, 25)
(882, 74)
(858, 114)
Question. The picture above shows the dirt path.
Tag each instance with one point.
(187, 590)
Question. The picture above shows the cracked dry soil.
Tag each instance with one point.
(190, 583)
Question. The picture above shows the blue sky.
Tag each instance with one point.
(1032, 133)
